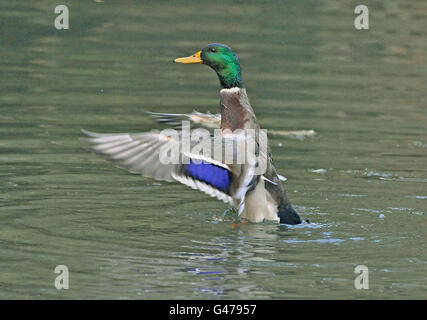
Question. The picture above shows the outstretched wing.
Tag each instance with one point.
(140, 153)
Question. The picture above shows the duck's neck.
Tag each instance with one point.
(230, 76)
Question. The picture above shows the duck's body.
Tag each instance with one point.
(266, 199)
(257, 195)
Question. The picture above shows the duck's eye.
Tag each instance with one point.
(213, 50)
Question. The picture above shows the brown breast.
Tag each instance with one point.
(233, 114)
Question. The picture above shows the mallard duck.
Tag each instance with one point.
(255, 196)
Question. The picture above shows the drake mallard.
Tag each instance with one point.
(256, 197)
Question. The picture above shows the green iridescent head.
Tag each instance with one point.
(222, 59)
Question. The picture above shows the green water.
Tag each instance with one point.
(305, 67)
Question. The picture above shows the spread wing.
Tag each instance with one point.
(146, 154)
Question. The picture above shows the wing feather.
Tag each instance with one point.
(139, 153)
(205, 120)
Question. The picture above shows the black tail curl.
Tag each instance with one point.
(288, 215)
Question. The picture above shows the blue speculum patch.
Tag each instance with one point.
(216, 176)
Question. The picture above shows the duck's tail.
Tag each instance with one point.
(288, 215)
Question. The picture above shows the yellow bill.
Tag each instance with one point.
(195, 58)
